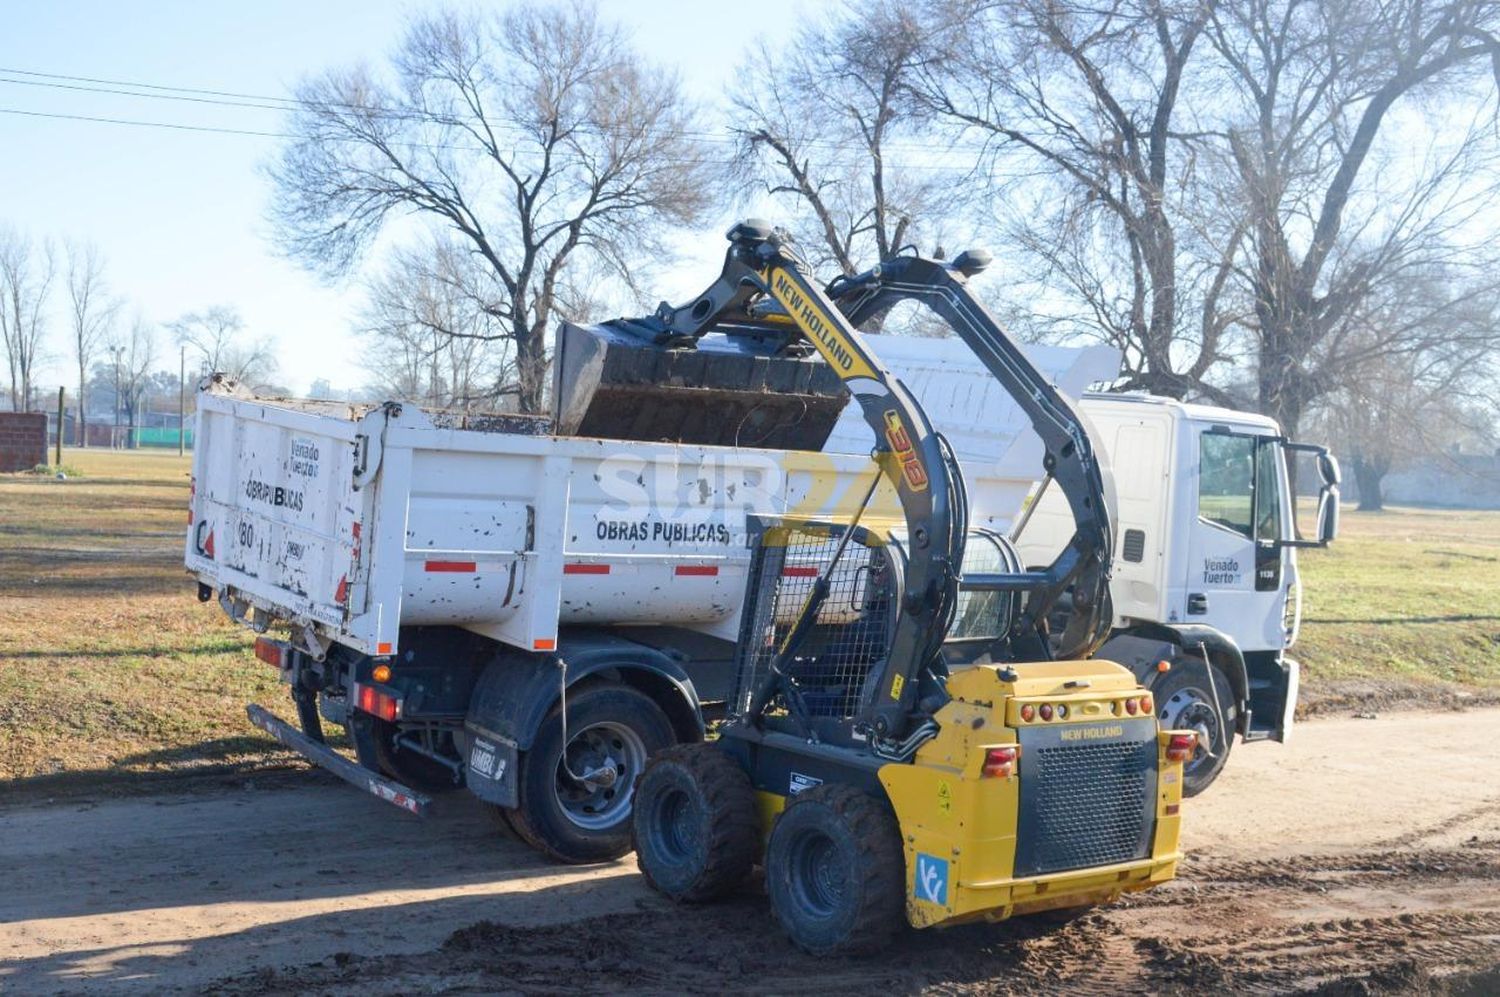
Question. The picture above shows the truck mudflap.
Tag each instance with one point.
(325, 757)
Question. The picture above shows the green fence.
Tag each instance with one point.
(160, 437)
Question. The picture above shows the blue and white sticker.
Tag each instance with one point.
(932, 879)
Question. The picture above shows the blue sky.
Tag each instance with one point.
(180, 216)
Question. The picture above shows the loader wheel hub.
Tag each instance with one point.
(817, 874)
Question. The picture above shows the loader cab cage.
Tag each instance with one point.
(816, 679)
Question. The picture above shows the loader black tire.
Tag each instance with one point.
(375, 748)
(1196, 695)
(836, 871)
(697, 834)
(557, 828)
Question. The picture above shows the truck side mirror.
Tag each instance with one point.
(1328, 512)
(1328, 470)
(1328, 493)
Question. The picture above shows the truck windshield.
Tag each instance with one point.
(1226, 480)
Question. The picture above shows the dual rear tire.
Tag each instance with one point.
(835, 868)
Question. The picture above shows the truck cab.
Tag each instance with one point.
(1205, 581)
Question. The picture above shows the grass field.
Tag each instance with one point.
(109, 664)
(107, 661)
(1404, 609)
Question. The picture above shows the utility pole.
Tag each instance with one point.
(115, 352)
(182, 401)
(60, 395)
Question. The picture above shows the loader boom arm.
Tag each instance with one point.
(761, 264)
(912, 454)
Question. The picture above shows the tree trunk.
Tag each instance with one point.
(83, 423)
(1368, 475)
(531, 369)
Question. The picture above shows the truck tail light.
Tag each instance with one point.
(1000, 763)
(1181, 745)
(272, 652)
(377, 703)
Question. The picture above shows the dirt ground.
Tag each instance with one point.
(1364, 857)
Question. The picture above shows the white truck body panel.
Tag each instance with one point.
(355, 520)
(1000, 454)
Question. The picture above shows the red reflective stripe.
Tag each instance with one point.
(800, 572)
(697, 569)
(459, 566)
(585, 569)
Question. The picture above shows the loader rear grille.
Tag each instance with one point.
(1085, 804)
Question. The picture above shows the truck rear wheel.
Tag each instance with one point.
(1197, 696)
(696, 831)
(836, 872)
(575, 805)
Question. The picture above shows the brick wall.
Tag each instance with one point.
(23, 440)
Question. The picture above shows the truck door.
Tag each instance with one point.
(1235, 568)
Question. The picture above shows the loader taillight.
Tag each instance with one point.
(270, 651)
(378, 704)
(1000, 763)
(1027, 712)
(1132, 707)
(1046, 711)
(1181, 745)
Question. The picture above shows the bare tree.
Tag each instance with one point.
(91, 314)
(26, 273)
(536, 136)
(217, 336)
(1419, 375)
(1336, 215)
(1077, 104)
(134, 354)
(827, 124)
(431, 338)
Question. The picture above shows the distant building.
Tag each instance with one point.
(1460, 481)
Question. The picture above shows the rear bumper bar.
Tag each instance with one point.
(325, 757)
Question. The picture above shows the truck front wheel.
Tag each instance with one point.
(575, 803)
(1197, 696)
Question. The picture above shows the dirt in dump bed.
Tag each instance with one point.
(1390, 922)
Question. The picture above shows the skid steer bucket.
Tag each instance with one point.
(626, 380)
